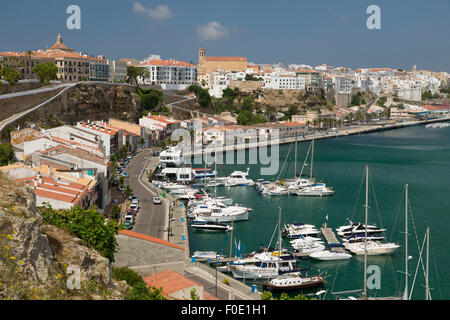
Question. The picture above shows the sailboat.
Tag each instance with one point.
(366, 251)
(291, 281)
(368, 247)
(265, 264)
(313, 189)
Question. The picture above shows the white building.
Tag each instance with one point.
(169, 74)
(117, 70)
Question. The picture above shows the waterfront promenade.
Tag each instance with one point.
(340, 132)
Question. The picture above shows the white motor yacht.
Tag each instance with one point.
(238, 178)
(373, 248)
(315, 190)
(327, 255)
(219, 214)
(263, 265)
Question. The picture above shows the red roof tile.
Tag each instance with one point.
(149, 238)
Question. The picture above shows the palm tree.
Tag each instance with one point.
(128, 191)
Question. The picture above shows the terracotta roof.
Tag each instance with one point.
(160, 62)
(226, 59)
(170, 281)
(149, 238)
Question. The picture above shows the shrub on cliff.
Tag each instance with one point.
(204, 99)
(89, 225)
(150, 98)
(139, 290)
(6, 154)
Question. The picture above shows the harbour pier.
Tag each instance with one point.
(332, 241)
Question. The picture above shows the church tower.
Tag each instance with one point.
(201, 61)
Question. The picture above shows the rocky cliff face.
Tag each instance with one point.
(99, 102)
(34, 258)
(83, 102)
(283, 98)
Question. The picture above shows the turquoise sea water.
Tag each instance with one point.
(417, 156)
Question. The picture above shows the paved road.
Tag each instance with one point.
(151, 218)
(34, 91)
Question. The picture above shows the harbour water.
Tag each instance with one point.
(417, 156)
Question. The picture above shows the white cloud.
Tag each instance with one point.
(211, 31)
(160, 12)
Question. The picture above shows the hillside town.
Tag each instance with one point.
(88, 163)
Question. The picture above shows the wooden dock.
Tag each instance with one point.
(331, 239)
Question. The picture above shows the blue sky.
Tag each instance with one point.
(288, 31)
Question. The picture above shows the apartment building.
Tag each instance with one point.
(164, 125)
(111, 138)
(117, 70)
(169, 74)
(76, 160)
(23, 62)
(133, 133)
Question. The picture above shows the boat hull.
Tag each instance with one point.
(224, 219)
(313, 284)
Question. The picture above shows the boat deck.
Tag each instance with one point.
(330, 238)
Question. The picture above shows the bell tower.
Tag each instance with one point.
(201, 61)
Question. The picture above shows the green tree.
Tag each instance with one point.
(89, 225)
(11, 75)
(46, 71)
(150, 100)
(133, 73)
(244, 118)
(115, 212)
(128, 191)
(6, 154)
(271, 112)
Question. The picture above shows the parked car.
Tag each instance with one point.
(129, 157)
(132, 212)
(128, 224)
(157, 200)
(134, 207)
(125, 174)
(133, 197)
(121, 187)
(130, 219)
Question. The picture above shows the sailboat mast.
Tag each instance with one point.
(279, 239)
(427, 286)
(365, 233)
(215, 169)
(295, 162)
(231, 238)
(312, 161)
(405, 295)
